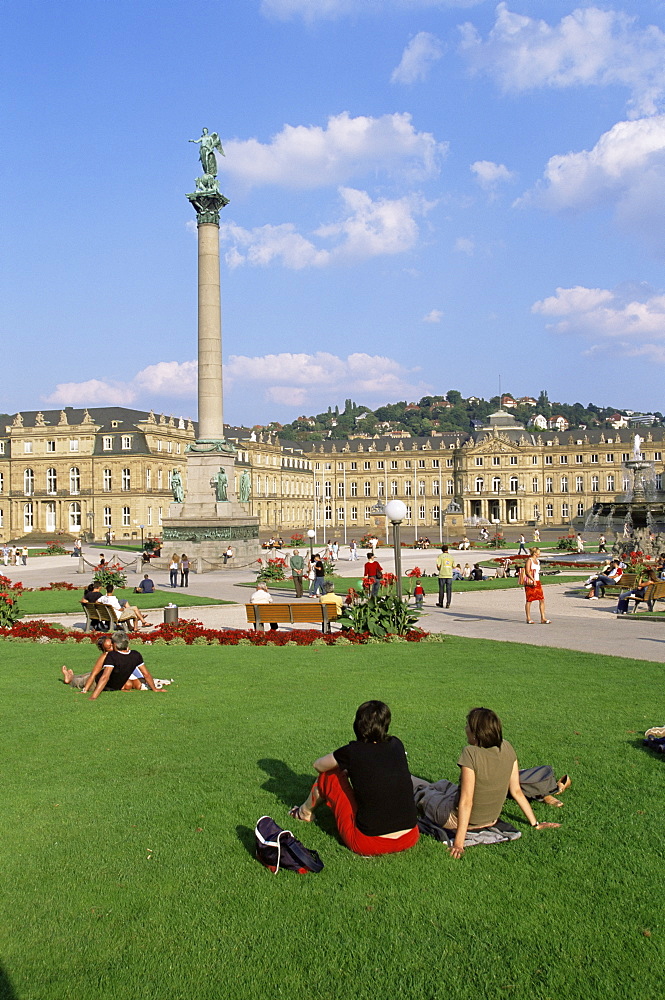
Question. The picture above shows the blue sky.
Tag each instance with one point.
(424, 195)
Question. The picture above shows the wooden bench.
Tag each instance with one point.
(293, 614)
(104, 614)
(627, 582)
(654, 592)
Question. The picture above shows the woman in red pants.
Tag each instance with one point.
(368, 787)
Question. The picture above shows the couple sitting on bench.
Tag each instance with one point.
(379, 806)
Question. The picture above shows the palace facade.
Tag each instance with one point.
(109, 468)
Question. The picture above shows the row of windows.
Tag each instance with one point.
(381, 465)
(107, 445)
(74, 516)
(435, 513)
(75, 480)
(565, 484)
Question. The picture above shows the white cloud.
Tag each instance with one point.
(166, 379)
(417, 58)
(590, 47)
(308, 156)
(433, 316)
(627, 322)
(625, 167)
(312, 10)
(94, 392)
(465, 245)
(368, 229)
(489, 174)
(299, 379)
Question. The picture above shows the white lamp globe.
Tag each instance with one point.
(395, 510)
(311, 533)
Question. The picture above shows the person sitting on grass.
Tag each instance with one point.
(477, 572)
(366, 784)
(146, 586)
(489, 772)
(125, 612)
(108, 645)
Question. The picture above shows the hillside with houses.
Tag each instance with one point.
(434, 415)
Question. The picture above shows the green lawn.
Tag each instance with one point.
(62, 602)
(126, 830)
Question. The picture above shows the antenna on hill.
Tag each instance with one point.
(499, 392)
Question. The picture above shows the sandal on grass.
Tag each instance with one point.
(294, 811)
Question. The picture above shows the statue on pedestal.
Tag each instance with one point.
(245, 486)
(208, 143)
(176, 487)
(220, 483)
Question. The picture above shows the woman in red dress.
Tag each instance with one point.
(533, 589)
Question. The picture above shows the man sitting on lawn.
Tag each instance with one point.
(124, 611)
(119, 669)
(146, 586)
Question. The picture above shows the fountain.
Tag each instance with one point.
(639, 515)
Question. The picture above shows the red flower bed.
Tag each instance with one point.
(190, 630)
(60, 585)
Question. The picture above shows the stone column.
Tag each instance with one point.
(211, 421)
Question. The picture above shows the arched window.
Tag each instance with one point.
(74, 516)
(28, 483)
(51, 481)
(74, 480)
(479, 484)
(496, 484)
(328, 512)
(514, 483)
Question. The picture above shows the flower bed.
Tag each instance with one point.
(188, 633)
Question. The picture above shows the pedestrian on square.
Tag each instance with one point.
(353, 550)
(297, 566)
(533, 589)
(522, 550)
(317, 581)
(373, 571)
(173, 570)
(445, 567)
(24, 555)
(419, 595)
(184, 570)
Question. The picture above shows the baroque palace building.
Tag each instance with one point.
(109, 468)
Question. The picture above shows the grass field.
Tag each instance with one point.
(126, 830)
(63, 602)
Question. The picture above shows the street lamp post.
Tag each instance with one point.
(396, 512)
(311, 534)
(141, 526)
(91, 529)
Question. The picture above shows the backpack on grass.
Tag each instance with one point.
(277, 848)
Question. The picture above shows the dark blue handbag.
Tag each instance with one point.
(277, 848)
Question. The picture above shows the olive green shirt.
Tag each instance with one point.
(492, 767)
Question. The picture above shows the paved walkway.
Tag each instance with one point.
(576, 624)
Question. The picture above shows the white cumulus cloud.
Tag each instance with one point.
(627, 322)
(433, 316)
(166, 379)
(309, 156)
(368, 228)
(299, 379)
(589, 47)
(93, 392)
(417, 58)
(626, 168)
(489, 174)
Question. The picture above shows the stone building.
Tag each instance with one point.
(87, 471)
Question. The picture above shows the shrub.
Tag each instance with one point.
(55, 549)
(364, 541)
(113, 574)
(567, 543)
(381, 616)
(297, 540)
(60, 585)
(273, 569)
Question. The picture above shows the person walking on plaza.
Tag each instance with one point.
(533, 588)
(445, 566)
(173, 570)
(297, 566)
(373, 572)
(536, 536)
(579, 543)
(316, 583)
(184, 571)
(522, 550)
(353, 550)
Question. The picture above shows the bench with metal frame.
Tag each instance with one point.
(103, 614)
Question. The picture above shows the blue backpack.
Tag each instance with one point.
(277, 848)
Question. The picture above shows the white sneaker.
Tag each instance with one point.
(593, 598)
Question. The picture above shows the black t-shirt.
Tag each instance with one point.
(92, 595)
(379, 773)
(123, 665)
(319, 569)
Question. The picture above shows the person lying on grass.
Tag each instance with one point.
(117, 667)
(489, 772)
(366, 784)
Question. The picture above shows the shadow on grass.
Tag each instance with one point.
(6, 989)
(246, 837)
(292, 789)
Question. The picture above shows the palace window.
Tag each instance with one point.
(354, 513)
(126, 515)
(549, 510)
(126, 480)
(327, 488)
(50, 445)
(328, 512)
(51, 481)
(579, 459)
(496, 484)
(436, 513)
(368, 489)
(381, 465)
(340, 490)
(496, 460)
(479, 484)
(381, 489)
(421, 512)
(106, 480)
(564, 484)
(579, 484)
(28, 482)
(564, 510)
(393, 488)
(126, 442)
(74, 516)
(479, 460)
(407, 487)
(28, 516)
(354, 489)
(610, 484)
(549, 485)
(534, 484)
(340, 513)
(74, 480)
(563, 460)
(73, 444)
(594, 484)
(27, 447)
(580, 509)
(514, 483)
